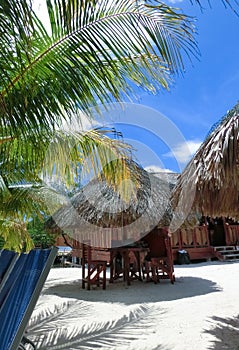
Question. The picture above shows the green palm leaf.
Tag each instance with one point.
(59, 157)
(14, 234)
(31, 199)
(22, 202)
(88, 56)
(63, 155)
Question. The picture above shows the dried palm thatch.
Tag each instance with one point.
(210, 182)
(97, 212)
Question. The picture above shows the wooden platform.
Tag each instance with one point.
(195, 241)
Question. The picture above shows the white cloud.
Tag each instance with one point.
(157, 169)
(80, 122)
(184, 151)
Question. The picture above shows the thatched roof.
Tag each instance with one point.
(210, 182)
(98, 212)
(170, 177)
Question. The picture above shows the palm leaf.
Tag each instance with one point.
(19, 206)
(33, 199)
(88, 57)
(233, 4)
(63, 156)
(14, 233)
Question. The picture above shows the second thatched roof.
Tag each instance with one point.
(97, 211)
(210, 182)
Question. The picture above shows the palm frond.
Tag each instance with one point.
(232, 4)
(19, 206)
(25, 200)
(15, 235)
(4, 191)
(68, 149)
(87, 58)
(63, 156)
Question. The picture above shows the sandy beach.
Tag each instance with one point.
(198, 312)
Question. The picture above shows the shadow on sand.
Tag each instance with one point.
(225, 332)
(138, 292)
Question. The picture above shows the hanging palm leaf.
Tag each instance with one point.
(14, 234)
(233, 4)
(63, 155)
(86, 56)
(59, 157)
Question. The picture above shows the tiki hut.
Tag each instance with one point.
(98, 212)
(209, 185)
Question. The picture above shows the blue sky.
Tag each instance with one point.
(208, 89)
(210, 85)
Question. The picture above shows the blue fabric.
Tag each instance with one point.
(6, 257)
(12, 277)
(17, 293)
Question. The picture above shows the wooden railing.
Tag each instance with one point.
(231, 234)
(190, 237)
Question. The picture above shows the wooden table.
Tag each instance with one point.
(130, 267)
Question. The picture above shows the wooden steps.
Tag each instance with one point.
(227, 253)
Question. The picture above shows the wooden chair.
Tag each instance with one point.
(93, 269)
(159, 263)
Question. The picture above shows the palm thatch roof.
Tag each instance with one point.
(170, 177)
(99, 213)
(210, 182)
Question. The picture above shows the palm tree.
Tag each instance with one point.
(87, 55)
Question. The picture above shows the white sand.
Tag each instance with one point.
(200, 311)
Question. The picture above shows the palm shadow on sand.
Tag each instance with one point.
(51, 329)
(74, 319)
(225, 331)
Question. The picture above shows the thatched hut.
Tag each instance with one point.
(209, 185)
(98, 212)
